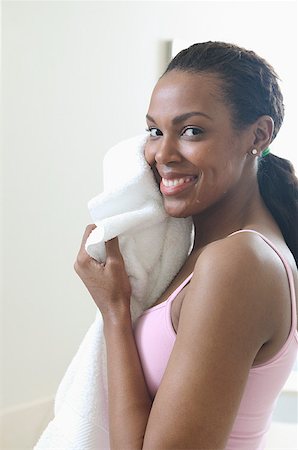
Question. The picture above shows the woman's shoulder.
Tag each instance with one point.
(230, 294)
(240, 263)
(247, 258)
(244, 275)
(250, 250)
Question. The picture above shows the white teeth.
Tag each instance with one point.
(176, 181)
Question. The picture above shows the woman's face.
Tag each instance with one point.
(198, 156)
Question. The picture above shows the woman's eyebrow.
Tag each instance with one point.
(182, 117)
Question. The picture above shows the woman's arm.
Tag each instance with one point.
(129, 400)
(223, 323)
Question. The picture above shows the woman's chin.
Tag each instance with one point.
(175, 212)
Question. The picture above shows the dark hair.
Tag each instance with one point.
(250, 87)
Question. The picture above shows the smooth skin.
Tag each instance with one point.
(236, 310)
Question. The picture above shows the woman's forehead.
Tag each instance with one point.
(180, 91)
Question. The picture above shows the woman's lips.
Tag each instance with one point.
(176, 185)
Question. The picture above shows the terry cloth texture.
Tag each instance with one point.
(154, 247)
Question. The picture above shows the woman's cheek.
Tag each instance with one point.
(149, 154)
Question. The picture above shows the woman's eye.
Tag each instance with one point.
(154, 132)
(192, 131)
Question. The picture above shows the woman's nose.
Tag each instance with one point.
(166, 151)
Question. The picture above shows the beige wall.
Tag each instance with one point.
(76, 79)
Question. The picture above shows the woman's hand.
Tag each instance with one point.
(107, 282)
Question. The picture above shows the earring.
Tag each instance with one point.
(254, 151)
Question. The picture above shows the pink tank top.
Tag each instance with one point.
(155, 338)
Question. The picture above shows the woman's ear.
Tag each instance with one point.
(263, 131)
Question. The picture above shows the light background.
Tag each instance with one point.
(76, 79)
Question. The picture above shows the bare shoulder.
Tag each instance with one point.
(243, 277)
(243, 257)
(245, 247)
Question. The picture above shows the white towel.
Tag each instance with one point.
(154, 247)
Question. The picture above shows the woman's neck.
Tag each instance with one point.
(232, 215)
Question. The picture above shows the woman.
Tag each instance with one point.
(203, 367)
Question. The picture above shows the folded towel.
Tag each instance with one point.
(154, 247)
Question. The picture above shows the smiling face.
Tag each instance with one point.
(201, 160)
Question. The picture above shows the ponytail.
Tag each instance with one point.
(279, 189)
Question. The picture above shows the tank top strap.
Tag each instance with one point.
(179, 288)
(289, 276)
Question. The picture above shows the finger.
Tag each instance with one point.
(113, 249)
(83, 258)
(88, 231)
(86, 234)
